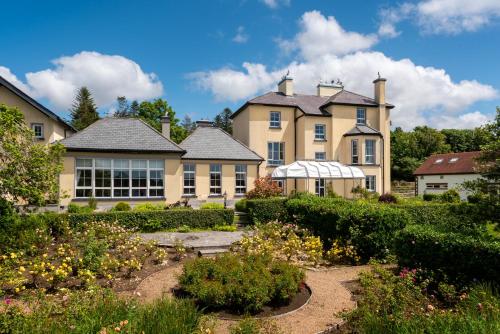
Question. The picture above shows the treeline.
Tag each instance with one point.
(410, 148)
(84, 112)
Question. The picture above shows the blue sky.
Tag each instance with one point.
(440, 56)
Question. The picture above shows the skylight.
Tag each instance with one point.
(453, 160)
(438, 161)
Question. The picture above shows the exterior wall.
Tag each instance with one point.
(241, 127)
(453, 180)
(53, 130)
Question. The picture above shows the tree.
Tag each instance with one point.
(123, 109)
(188, 124)
(28, 170)
(223, 120)
(151, 113)
(84, 111)
(465, 140)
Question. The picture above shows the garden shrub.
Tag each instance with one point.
(121, 206)
(241, 205)
(462, 258)
(243, 284)
(212, 205)
(267, 210)
(142, 207)
(75, 208)
(430, 197)
(450, 196)
(388, 198)
(264, 187)
(151, 221)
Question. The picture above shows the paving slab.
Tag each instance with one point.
(206, 239)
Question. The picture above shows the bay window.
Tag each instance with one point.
(354, 152)
(369, 151)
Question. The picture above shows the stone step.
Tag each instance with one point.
(212, 251)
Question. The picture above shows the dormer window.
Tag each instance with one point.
(453, 160)
(37, 128)
(361, 116)
(438, 161)
(275, 120)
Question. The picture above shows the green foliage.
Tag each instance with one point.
(370, 228)
(388, 198)
(466, 140)
(462, 258)
(450, 196)
(151, 221)
(84, 111)
(267, 210)
(98, 310)
(28, 171)
(240, 283)
(255, 326)
(144, 207)
(75, 208)
(212, 205)
(264, 187)
(223, 120)
(121, 206)
(430, 197)
(241, 205)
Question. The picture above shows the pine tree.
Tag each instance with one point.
(123, 109)
(223, 120)
(187, 124)
(84, 110)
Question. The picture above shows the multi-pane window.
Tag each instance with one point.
(361, 116)
(320, 156)
(118, 178)
(215, 179)
(280, 184)
(275, 153)
(442, 186)
(369, 151)
(189, 179)
(320, 132)
(275, 119)
(370, 183)
(319, 186)
(241, 179)
(354, 152)
(37, 128)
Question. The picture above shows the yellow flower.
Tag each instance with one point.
(21, 269)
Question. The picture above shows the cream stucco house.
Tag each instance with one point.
(47, 126)
(333, 125)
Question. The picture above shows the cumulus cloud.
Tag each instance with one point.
(276, 3)
(12, 78)
(417, 91)
(107, 76)
(441, 16)
(320, 35)
(465, 121)
(241, 36)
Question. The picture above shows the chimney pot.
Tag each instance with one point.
(165, 126)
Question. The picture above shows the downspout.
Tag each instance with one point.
(383, 164)
(295, 140)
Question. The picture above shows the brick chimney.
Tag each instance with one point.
(165, 126)
(379, 85)
(329, 89)
(285, 86)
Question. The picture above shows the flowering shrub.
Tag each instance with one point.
(264, 187)
(342, 253)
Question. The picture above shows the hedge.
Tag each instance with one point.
(267, 210)
(367, 226)
(462, 258)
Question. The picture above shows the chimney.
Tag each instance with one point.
(204, 123)
(165, 126)
(379, 85)
(285, 86)
(329, 89)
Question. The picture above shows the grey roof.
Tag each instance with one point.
(212, 143)
(34, 103)
(362, 130)
(120, 135)
(312, 105)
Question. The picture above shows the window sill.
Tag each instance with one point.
(240, 195)
(319, 140)
(215, 196)
(117, 199)
(40, 138)
(189, 196)
(275, 128)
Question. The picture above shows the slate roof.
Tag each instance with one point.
(312, 105)
(362, 130)
(120, 135)
(443, 164)
(34, 103)
(212, 143)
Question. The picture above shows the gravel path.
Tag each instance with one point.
(329, 297)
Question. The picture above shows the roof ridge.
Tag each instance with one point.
(345, 90)
(158, 132)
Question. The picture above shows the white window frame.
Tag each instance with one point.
(275, 123)
(215, 190)
(371, 183)
(320, 132)
(156, 166)
(34, 126)
(361, 116)
(320, 156)
(370, 158)
(275, 153)
(320, 187)
(130, 168)
(189, 190)
(354, 152)
(240, 172)
(103, 168)
(121, 168)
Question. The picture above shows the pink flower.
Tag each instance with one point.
(8, 301)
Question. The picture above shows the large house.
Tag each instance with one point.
(47, 126)
(334, 125)
(441, 172)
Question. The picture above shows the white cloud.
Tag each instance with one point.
(276, 3)
(417, 91)
(241, 36)
(465, 121)
(442, 16)
(107, 76)
(322, 35)
(11, 77)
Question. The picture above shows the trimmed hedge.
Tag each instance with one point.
(267, 210)
(151, 221)
(368, 227)
(463, 258)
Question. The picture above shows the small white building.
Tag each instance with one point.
(441, 172)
